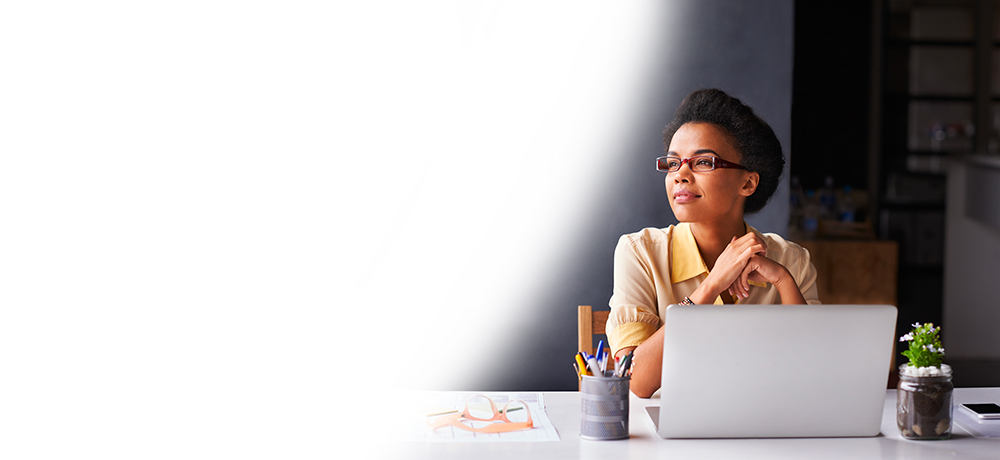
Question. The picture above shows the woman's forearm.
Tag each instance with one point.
(647, 358)
(647, 362)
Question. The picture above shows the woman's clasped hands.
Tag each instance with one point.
(745, 260)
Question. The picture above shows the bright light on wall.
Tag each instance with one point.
(486, 153)
(223, 203)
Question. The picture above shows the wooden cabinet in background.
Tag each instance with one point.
(855, 272)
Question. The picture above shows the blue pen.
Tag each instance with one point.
(601, 357)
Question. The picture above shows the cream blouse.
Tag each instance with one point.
(657, 267)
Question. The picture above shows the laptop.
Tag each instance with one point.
(762, 371)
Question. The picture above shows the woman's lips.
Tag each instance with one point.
(684, 196)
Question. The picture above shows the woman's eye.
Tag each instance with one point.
(704, 162)
(673, 163)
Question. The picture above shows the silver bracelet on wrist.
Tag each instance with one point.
(686, 301)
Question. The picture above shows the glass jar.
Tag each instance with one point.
(923, 403)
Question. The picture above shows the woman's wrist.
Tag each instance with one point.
(788, 289)
(784, 280)
(705, 293)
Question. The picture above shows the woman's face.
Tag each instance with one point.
(710, 195)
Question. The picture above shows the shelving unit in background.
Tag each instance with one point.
(939, 99)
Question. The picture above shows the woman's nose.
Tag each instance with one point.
(683, 174)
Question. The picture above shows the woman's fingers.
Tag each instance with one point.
(751, 239)
(750, 252)
(738, 285)
(756, 268)
(745, 276)
(766, 270)
(749, 242)
(742, 284)
(730, 266)
(737, 291)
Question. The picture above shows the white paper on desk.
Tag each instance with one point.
(416, 429)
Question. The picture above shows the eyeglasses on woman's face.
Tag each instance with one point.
(701, 163)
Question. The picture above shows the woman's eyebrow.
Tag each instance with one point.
(696, 152)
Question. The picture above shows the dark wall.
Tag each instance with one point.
(830, 114)
(742, 47)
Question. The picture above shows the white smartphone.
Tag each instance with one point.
(985, 411)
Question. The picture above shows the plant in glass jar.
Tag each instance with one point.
(923, 397)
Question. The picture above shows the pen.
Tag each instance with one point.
(594, 369)
(626, 364)
(601, 357)
(578, 376)
(581, 364)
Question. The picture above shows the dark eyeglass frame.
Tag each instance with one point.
(716, 163)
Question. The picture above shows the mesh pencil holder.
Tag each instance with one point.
(604, 407)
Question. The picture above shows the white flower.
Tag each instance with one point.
(916, 324)
(933, 349)
(906, 337)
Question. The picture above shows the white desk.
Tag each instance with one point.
(563, 409)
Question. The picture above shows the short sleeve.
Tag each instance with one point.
(633, 317)
(805, 274)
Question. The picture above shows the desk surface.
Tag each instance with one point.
(563, 409)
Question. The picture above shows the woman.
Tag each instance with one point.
(722, 161)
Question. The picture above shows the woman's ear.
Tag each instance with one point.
(750, 184)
